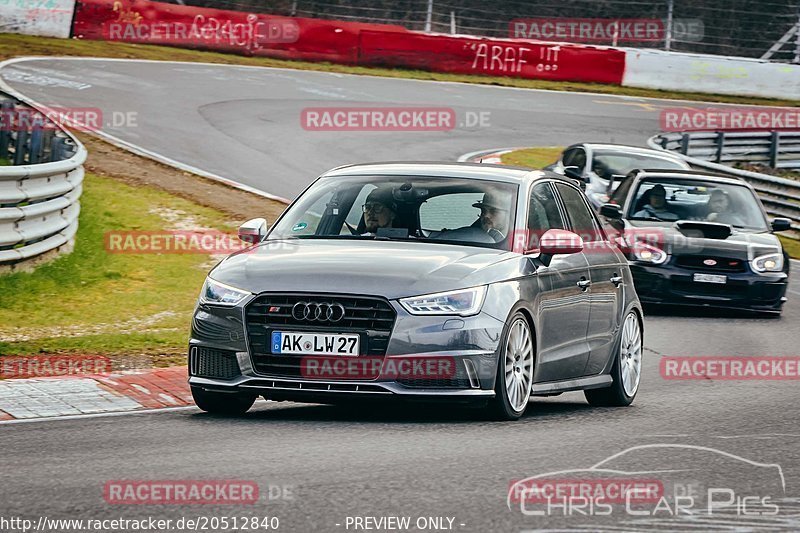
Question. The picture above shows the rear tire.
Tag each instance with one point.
(627, 370)
(222, 403)
(514, 371)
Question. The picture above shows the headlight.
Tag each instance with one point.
(649, 254)
(462, 302)
(218, 293)
(768, 263)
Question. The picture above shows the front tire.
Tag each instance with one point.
(514, 378)
(627, 370)
(222, 403)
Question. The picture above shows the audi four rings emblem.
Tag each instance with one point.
(318, 312)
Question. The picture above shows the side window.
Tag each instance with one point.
(543, 213)
(449, 211)
(580, 217)
(574, 157)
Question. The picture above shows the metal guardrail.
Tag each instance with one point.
(778, 149)
(708, 150)
(40, 185)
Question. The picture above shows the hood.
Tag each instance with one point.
(389, 269)
(688, 237)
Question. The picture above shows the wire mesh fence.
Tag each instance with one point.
(766, 28)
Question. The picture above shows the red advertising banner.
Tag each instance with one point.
(142, 21)
(496, 57)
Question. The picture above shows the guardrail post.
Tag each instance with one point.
(57, 149)
(20, 146)
(37, 143)
(685, 139)
(720, 145)
(7, 110)
(774, 149)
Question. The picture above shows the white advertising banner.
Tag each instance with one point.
(49, 18)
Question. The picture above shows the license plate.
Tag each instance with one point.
(710, 278)
(288, 342)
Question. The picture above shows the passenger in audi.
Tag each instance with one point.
(380, 209)
(495, 210)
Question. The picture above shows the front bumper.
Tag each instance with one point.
(221, 360)
(674, 285)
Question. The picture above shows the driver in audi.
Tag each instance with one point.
(380, 210)
(494, 217)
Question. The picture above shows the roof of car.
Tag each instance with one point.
(691, 174)
(626, 148)
(439, 169)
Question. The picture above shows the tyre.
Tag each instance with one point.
(222, 403)
(627, 370)
(514, 371)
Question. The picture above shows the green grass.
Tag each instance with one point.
(12, 45)
(91, 287)
(533, 157)
(792, 246)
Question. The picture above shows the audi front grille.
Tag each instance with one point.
(372, 318)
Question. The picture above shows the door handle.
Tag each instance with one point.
(584, 284)
(616, 280)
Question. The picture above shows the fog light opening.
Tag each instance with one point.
(472, 374)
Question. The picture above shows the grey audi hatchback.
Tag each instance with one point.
(470, 283)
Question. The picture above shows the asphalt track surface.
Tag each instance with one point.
(341, 462)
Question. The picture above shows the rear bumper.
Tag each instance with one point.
(746, 291)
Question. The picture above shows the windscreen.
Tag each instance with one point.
(703, 201)
(424, 209)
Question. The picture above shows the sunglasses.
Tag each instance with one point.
(375, 207)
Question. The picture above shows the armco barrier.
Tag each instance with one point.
(656, 69)
(39, 190)
(780, 196)
(143, 21)
(49, 18)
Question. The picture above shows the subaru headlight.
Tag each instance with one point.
(217, 293)
(463, 302)
(768, 263)
(649, 254)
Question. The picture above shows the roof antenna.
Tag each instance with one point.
(480, 160)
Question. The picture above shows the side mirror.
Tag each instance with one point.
(253, 231)
(781, 224)
(558, 241)
(574, 173)
(612, 211)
